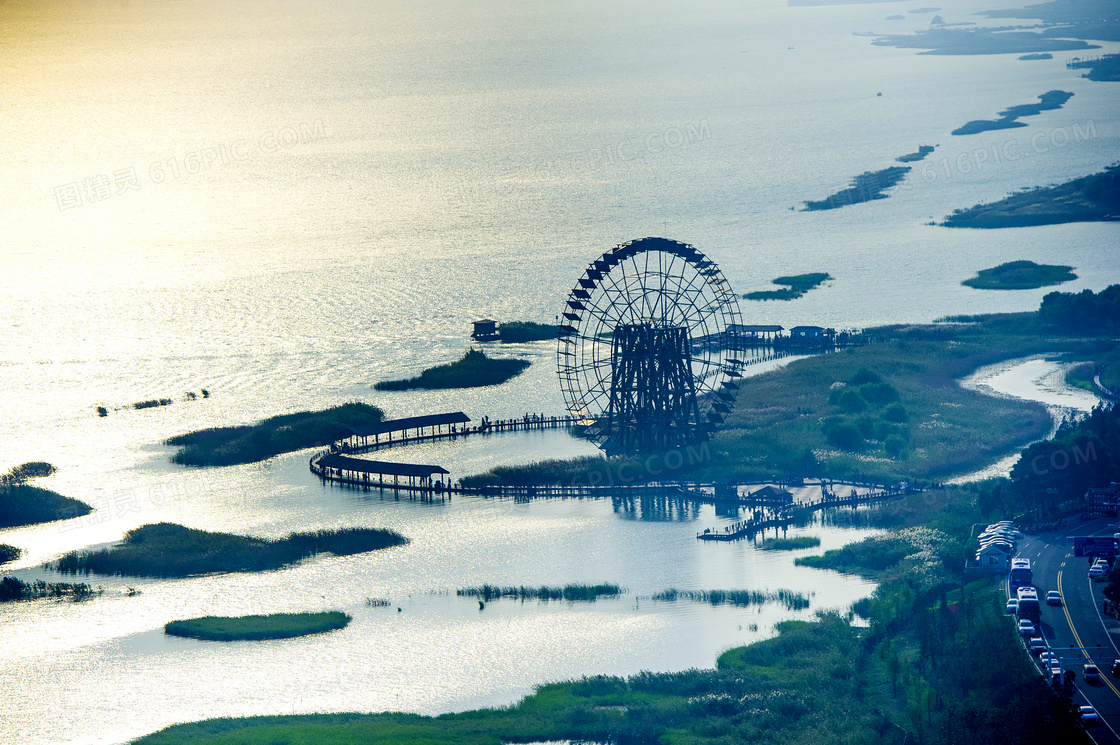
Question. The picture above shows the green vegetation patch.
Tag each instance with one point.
(226, 446)
(473, 370)
(1085, 312)
(169, 550)
(574, 592)
(797, 285)
(28, 505)
(12, 589)
(790, 544)
(9, 553)
(246, 628)
(1020, 275)
(23, 504)
(1081, 376)
(1093, 198)
(873, 556)
(864, 188)
(518, 332)
(740, 598)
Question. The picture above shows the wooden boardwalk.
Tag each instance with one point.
(485, 426)
(781, 518)
(772, 502)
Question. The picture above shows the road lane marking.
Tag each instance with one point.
(1077, 638)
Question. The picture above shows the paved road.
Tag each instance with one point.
(1076, 630)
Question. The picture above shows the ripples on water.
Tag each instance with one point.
(459, 173)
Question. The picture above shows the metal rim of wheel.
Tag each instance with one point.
(663, 286)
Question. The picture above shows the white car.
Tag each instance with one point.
(1026, 628)
(1013, 606)
(1088, 715)
(1096, 571)
(1053, 598)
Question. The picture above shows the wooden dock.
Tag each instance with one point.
(782, 517)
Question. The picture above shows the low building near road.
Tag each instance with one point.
(995, 558)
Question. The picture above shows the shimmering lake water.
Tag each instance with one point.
(283, 203)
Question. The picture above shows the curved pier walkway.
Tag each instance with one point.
(773, 502)
(781, 517)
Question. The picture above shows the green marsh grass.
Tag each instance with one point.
(13, 589)
(795, 286)
(517, 332)
(224, 446)
(790, 544)
(572, 593)
(1020, 275)
(169, 550)
(474, 369)
(741, 598)
(249, 628)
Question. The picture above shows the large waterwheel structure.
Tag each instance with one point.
(649, 351)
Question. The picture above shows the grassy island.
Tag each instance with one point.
(473, 370)
(249, 628)
(796, 286)
(1092, 198)
(571, 593)
(9, 553)
(1042, 55)
(518, 332)
(1020, 275)
(169, 550)
(226, 446)
(864, 188)
(1008, 118)
(23, 504)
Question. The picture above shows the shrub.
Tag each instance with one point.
(866, 426)
(896, 413)
(879, 394)
(852, 402)
(895, 446)
(845, 436)
(863, 376)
